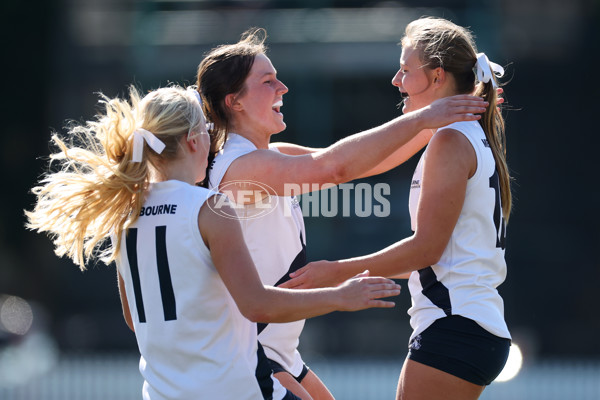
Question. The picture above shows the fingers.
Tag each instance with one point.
(381, 304)
(298, 272)
(295, 283)
(288, 284)
(470, 97)
(382, 291)
(365, 273)
(467, 107)
(377, 280)
(471, 109)
(385, 290)
(467, 100)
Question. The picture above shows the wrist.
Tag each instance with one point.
(417, 119)
(346, 269)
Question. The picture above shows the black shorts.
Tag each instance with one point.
(276, 367)
(461, 347)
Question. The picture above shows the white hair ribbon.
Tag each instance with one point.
(485, 67)
(139, 135)
(196, 95)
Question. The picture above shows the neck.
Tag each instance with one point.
(179, 170)
(260, 141)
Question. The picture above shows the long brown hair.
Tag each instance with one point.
(444, 44)
(224, 71)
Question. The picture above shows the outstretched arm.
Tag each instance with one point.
(259, 303)
(350, 157)
(412, 147)
(292, 149)
(449, 162)
(398, 157)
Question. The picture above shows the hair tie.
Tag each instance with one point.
(484, 68)
(139, 135)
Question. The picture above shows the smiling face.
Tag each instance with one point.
(257, 109)
(414, 80)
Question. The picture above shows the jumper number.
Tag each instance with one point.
(498, 217)
(164, 275)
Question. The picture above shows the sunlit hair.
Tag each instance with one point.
(441, 43)
(224, 71)
(92, 189)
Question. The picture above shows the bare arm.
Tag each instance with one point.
(260, 303)
(402, 154)
(124, 302)
(396, 158)
(449, 162)
(292, 149)
(350, 157)
(411, 148)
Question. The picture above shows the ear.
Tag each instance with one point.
(439, 76)
(192, 144)
(232, 102)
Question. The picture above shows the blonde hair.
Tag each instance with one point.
(97, 191)
(444, 44)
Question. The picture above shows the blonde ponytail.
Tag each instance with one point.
(96, 190)
(492, 124)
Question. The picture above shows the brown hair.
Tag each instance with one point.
(224, 71)
(444, 44)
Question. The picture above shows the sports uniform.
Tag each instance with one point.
(193, 340)
(464, 281)
(274, 233)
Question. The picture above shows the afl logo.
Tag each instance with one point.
(249, 200)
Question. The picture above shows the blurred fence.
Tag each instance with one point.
(116, 377)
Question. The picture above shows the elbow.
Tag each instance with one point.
(335, 173)
(256, 314)
(431, 257)
(429, 252)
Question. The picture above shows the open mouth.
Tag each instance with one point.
(277, 106)
(403, 97)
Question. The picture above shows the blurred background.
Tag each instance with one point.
(62, 334)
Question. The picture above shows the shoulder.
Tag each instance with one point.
(463, 126)
(449, 137)
(255, 163)
(235, 146)
(450, 146)
(217, 218)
